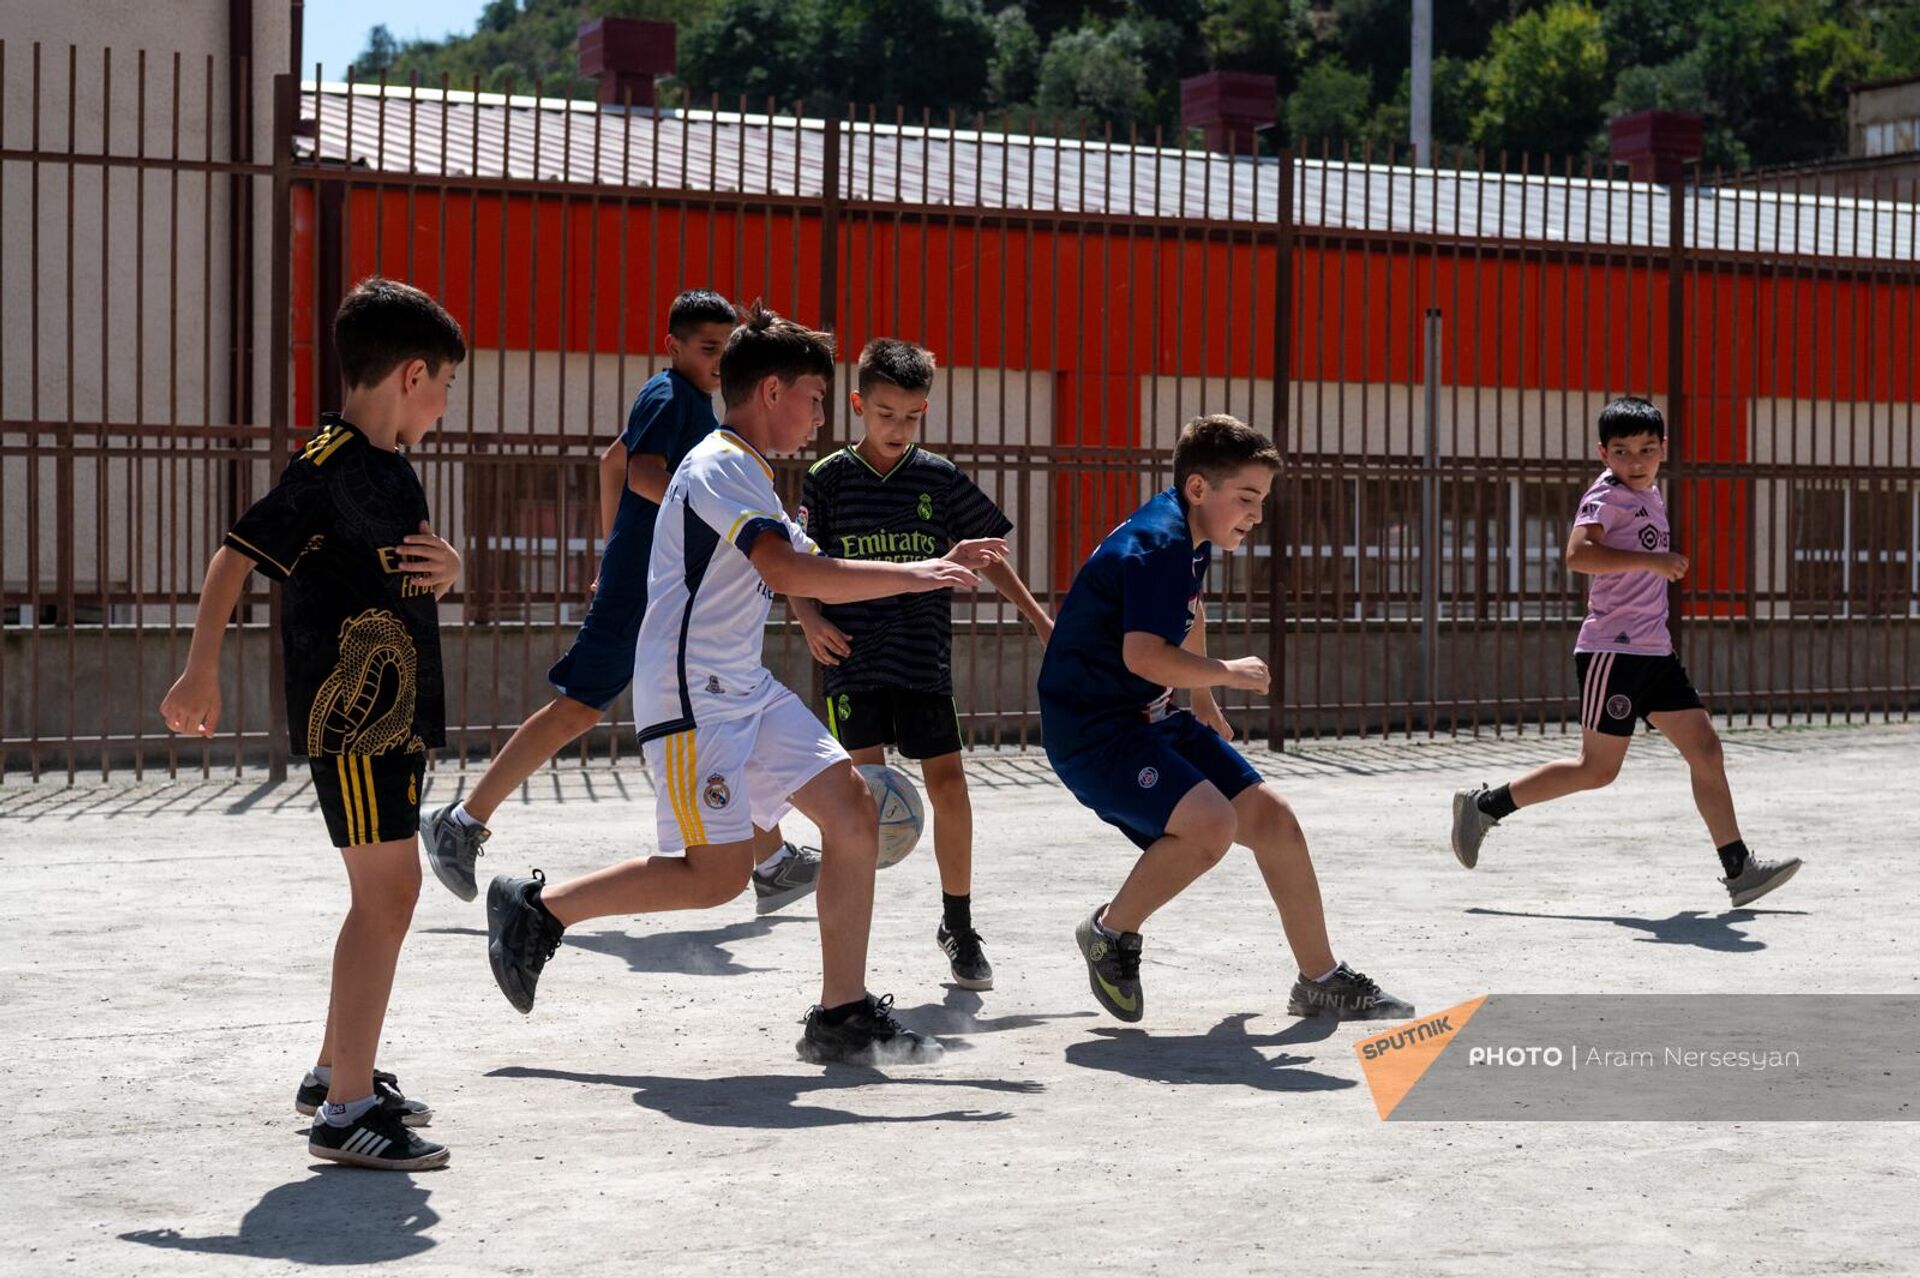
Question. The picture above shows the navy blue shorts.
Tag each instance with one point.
(599, 665)
(1134, 780)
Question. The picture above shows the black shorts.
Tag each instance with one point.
(369, 798)
(1618, 687)
(922, 725)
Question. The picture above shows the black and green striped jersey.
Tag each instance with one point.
(917, 510)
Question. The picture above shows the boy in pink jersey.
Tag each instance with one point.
(1625, 659)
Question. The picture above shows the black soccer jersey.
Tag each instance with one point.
(917, 510)
(362, 637)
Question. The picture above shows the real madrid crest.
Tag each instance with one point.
(716, 793)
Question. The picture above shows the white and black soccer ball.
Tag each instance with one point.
(901, 815)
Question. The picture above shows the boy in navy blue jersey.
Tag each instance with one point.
(889, 661)
(346, 533)
(1132, 630)
(672, 413)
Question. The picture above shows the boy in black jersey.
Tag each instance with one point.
(346, 531)
(889, 668)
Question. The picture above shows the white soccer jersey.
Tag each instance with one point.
(698, 659)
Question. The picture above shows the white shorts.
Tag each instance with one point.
(718, 781)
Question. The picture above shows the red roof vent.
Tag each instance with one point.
(625, 54)
(1231, 107)
(1655, 145)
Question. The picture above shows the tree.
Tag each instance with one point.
(381, 53)
(1267, 36)
(1331, 103)
(1013, 72)
(1094, 76)
(760, 48)
(1679, 85)
(1545, 80)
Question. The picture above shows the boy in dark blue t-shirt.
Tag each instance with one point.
(672, 413)
(1132, 630)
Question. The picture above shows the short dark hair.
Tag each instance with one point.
(1215, 446)
(768, 345)
(382, 323)
(895, 362)
(1631, 415)
(698, 306)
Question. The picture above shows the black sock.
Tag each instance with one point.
(1733, 857)
(957, 912)
(836, 1015)
(1499, 803)
(541, 905)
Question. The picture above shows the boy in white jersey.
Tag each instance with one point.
(730, 749)
(1625, 659)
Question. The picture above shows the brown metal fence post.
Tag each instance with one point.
(1283, 440)
(1676, 385)
(279, 364)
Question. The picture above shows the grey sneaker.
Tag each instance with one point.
(796, 876)
(1347, 995)
(452, 846)
(1113, 968)
(1470, 826)
(1757, 878)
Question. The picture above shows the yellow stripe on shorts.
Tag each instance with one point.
(673, 744)
(691, 780)
(373, 801)
(346, 797)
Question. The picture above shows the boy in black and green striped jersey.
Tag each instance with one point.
(889, 668)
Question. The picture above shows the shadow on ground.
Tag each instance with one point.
(1720, 932)
(774, 1100)
(1225, 1054)
(698, 953)
(336, 1217)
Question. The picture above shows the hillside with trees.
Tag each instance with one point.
(1769, 76)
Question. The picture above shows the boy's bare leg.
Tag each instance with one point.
(952, 822)
(709, 875)
(838, 801)
(385, 881)
(1199, 833)
(1692, 734)
(1267, 826)
(1596, 767)
(545, 733)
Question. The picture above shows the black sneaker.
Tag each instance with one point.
(1347, 995)
(1113, 968)
(971, 971)
(313, 1094)
(377, 1139)
(521, 936)
(797, 874)
(868, 1037)
(452, 846)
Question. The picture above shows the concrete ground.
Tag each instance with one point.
(167, 977)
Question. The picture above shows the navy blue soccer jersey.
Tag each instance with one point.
(669, 416)
(1147, 575)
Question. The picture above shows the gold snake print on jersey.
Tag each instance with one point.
(346, 717)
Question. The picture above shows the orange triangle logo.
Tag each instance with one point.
(1394, 1061)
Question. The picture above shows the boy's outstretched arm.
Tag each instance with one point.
(1172, 666)
(1586, 555)
(790, 572)
(1007, 581)
(192, 705)
(1205, 708)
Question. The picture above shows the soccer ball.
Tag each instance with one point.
(901, 816)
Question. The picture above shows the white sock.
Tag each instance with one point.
(321, 1074)
(774, 858)
(1322, 980)
(343, 1115)
(461, 815)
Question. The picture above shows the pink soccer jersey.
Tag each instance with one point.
(1626, 611)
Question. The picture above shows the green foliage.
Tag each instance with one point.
(1770, 76)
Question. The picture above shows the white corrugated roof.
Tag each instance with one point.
(433, 133)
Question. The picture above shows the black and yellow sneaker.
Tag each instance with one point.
(869, 1035)
(521, 936)
(1113, 968)
(965, 957)
(1347, 995)
(378, 1139)
(414, 1113)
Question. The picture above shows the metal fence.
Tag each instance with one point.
(1428, 347)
